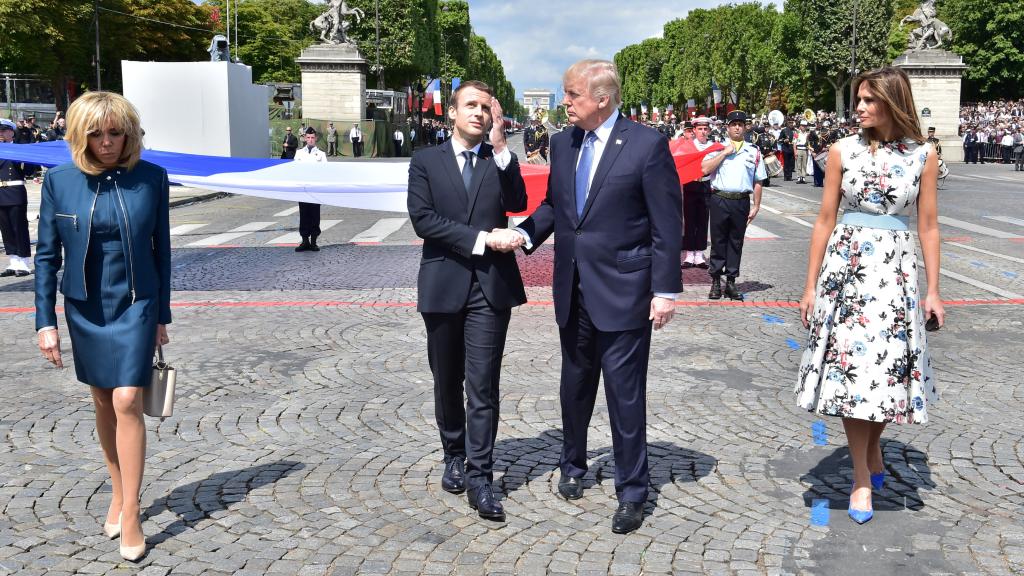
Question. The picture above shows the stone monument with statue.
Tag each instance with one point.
(333, 71)
(935, 77)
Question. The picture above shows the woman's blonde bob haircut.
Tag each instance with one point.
(93, 112)
(891, 88)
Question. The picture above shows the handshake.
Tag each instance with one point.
(504, 240)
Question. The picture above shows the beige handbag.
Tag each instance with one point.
(158, 397)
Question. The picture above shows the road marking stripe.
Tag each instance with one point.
(294, 238)
(975, 228)
(758, 233)
(990, 253)
(183, 229)
(770, 209)
(287, 212)
(236, 233)
(977, 176)
(798, 197)
(976, 283)
(1007, 219)
(380, 230)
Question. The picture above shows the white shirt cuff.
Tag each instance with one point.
(669, 295)
(529, 243)
(45, 328)
(503, 159)
(481, 244)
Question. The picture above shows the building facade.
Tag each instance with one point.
(538, 98)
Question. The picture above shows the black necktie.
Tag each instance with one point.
(467, 169)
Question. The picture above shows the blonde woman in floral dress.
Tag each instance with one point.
(866, 359)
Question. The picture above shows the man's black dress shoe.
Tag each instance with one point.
(454, 479)
(570, 488)
(628, 517)
(22, 273)
(482, 500)
(687, 265)
(7, 272)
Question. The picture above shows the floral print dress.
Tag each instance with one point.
(867, 354)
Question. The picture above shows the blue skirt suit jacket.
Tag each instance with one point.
(114, 232)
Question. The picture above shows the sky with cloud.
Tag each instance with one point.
(537, 40)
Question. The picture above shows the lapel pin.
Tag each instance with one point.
(618, 142)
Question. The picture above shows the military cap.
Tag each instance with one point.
(702, 120)
(310, 130)
(736, 116)
(6, 124)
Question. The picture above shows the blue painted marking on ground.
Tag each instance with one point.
(819, 431)
(793, 344)
(978, 264)
(1009, 274)
(819, 512)
(768, 318)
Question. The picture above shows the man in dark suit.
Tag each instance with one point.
(468, 283)
(615, 208)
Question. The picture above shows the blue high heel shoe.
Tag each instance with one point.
(860, 516)
(878, 480)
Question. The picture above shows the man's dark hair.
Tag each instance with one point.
(470, 84)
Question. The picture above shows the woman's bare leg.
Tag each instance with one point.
(131, 453)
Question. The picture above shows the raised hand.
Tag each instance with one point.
(497, 126)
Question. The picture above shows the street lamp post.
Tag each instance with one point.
(853, 61)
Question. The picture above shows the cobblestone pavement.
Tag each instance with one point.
(304, 442)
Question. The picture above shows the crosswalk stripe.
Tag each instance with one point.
(380, 230)
(975, 228)
(287, 212)
(758, 233)
(183, 229)
(1007, 219)
(989, 252)
(976, 283)
(219, 239)
(294, 238)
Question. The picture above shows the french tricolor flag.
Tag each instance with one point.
(433, 97)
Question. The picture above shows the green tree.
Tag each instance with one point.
(989, 34)
(271, 35)
(454, 33)
(828, 26)
(408, 37)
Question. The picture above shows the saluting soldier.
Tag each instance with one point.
(14, 208)
(736, 174)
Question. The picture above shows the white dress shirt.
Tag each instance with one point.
(501, 160)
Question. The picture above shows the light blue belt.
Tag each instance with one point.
(883, 221)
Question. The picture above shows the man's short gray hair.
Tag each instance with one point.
(602, 79)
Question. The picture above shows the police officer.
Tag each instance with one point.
(309, 213)
(934, 141)
(14, 208)
(736, 173)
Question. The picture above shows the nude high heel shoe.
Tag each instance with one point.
(112, 530)
(132, 553)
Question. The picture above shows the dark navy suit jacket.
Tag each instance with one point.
(627, 244)
(65, 211)
(449, 220)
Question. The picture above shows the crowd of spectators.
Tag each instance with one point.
(28, 132)
(993, 131)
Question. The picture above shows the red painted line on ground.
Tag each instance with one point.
(1016, 239)
(958, 239)
(367, 243)
(351, 304)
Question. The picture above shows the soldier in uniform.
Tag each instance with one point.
(800, 152)
(14, 208)
(765, 142)
(786, 138)
(309, 213)
(736, 174)
(934, 141)
(817, 142)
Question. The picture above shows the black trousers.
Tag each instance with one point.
(309, 220)
(622, 357)
(728, 225)
(695, 215)
(788, 164)
(398, 148)
(14, 229)
(819, 175)
(1007, 153)
(465, 350)
(357, 148)
(971, 154)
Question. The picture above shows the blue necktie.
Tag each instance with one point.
(583, 172)
(467, 169)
